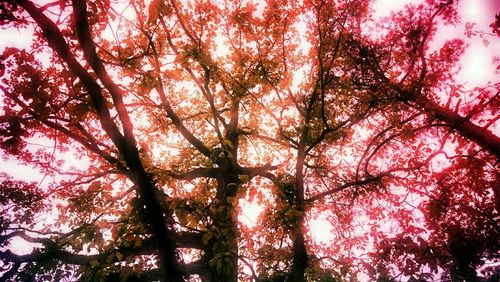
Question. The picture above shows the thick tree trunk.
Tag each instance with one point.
(168, 263)
(300, 258)
(222, 249)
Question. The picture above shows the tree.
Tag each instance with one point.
(180, 113)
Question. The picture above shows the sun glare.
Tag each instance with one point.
(477, 68)
(20, 246)
(20, 38)
(475, 11)
(321, 230)
(250, 212)
(383, 8)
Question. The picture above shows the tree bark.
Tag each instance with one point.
(479, 135)
(224, 248)
(300, 257)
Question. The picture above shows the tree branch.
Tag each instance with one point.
(87, 43)
(347, 185)
(197, 173)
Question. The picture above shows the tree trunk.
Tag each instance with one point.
(300, 258)
(222, 248)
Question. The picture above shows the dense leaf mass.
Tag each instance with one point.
(245, 141)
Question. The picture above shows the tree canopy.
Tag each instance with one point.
(162, 125)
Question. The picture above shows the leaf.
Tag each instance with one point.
(137, 242)
(244, 178)
(206, 237)
(229, 154)
(228, 143)
(94, 263)
(154, 11)
(119, 255)
(95, 186)
(109, 259)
